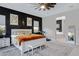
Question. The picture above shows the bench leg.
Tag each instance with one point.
(21, 53)
(40, 47)
(32, 51)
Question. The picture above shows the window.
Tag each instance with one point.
(2, 30)
(2, 25)
(36, 26)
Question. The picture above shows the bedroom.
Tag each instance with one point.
(39, 30)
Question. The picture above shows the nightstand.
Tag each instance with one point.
(4, 42)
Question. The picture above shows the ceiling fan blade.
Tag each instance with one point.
(44, 9)
(39, 9)
(51, 6)
(48, 8)
(53, 3)
(36, 8)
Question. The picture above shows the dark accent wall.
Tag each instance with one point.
(22, 17)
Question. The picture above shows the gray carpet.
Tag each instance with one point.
(13, 51)
(52, 49)
(57, 49)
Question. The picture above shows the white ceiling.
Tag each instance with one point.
(30, 8)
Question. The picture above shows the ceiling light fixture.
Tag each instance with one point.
(45, 6)
(42, 7)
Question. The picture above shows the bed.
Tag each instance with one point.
(24, 40)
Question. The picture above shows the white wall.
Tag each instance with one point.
(72, 18)
(49, 23)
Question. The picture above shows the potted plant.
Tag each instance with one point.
(1, 32)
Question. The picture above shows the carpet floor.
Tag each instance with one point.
(51, 49)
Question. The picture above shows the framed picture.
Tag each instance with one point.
(13, 19)
(29, 21)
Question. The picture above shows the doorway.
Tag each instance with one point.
(72, 34)
(59, 28)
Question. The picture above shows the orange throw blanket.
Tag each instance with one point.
(23, 38)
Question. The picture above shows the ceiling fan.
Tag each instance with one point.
(45, 6)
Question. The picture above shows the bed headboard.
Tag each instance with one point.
(21, 31)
